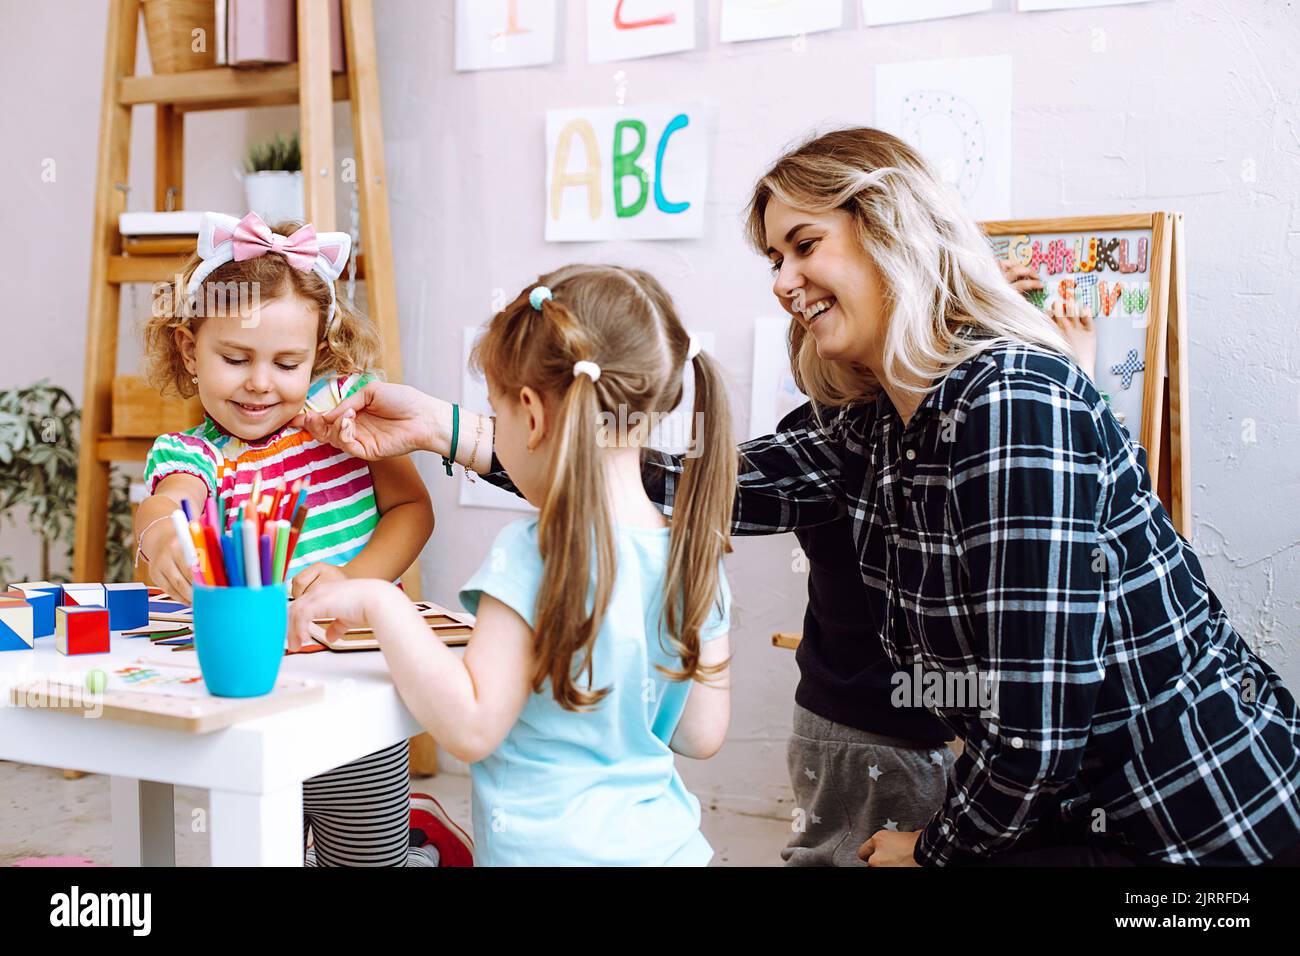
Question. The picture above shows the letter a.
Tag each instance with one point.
(590, 177)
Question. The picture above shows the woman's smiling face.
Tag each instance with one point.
(827, 282)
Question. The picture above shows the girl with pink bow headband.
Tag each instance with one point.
(240, 263)
(254, 327)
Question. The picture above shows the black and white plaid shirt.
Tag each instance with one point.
(1009, 529)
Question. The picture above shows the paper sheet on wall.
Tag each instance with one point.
(496, 34)
(474, 398)
(673, 432)
(1029, 5)
(957, 113)
(880, 12)
(628, 29)
(760, 19)
(774, 393)
(624, 173)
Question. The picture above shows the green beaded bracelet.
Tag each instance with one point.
(455, 435)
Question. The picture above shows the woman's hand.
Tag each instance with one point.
(349, 602)
(890, 848)
(314, 575)
(1022, 278)
(381, 420)
(167, 566)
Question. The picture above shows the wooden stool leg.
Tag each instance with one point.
(424, 756)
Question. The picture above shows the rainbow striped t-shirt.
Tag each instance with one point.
(341, 498)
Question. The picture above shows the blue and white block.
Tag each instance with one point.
(16, 630)
(44, 598)
(128, 605)
(84, 595)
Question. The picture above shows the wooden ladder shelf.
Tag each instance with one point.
(114, 263)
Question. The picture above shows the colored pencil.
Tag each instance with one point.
(295, 491)
(252, 566)
(183, 533)
(236, 542)
(214, 555)
(196, 536)
(204, 567)
(276, 496)
(264, 554)
(185, 507)
(280, 537)
(228, 560)
(256, 491)
(295, 530)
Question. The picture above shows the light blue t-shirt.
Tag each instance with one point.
(593, 788)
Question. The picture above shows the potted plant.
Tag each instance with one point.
(273, 179)
(181, 34)
(39, 428)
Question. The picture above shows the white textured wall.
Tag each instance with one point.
(1189, 105)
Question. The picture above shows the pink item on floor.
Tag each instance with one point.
(56, 861)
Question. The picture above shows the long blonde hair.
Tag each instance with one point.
(352, 345)
(624, 321)
(946, 298)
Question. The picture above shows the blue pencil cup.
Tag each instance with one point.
(239, 635)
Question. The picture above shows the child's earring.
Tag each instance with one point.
(194, 380)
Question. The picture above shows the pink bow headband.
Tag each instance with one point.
(225, 239)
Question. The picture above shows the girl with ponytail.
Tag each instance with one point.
(601, 643)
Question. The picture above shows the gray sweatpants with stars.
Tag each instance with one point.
(849, 783)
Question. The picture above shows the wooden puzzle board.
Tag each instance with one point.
(453, 627)
(167, 696)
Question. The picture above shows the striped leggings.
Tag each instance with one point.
(360, 813)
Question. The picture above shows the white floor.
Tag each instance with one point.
(43, 815)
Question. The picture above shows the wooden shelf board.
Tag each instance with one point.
(115, 448)
(222, 88)
(150, 269)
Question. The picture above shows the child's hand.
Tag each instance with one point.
(348, 602)
(167, 566)
(381, 420)
(1022, 278)
(313, 575)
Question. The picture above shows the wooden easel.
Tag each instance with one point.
(311, 85)
(1165, 392)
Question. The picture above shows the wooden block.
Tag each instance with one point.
(83, 595)
(16, 630)
(141, 411)
(42, 604)
(28, 587)
(81, 630)
(44, 597)
(128, 605)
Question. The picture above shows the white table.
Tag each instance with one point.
(253, 770)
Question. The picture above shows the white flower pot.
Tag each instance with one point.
(274, 195)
